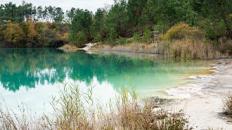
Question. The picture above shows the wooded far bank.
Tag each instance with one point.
(132, 21)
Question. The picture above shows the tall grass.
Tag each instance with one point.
(186, 42)
(183, 31)
(228, 106)
(127, 113)
(190, 49)
(12, 121)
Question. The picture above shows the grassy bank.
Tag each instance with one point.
(181, 41)
(70, 113)
(186, 42)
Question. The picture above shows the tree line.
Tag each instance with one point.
(26, 25)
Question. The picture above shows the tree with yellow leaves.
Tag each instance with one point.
(30, 30)
(13, 33)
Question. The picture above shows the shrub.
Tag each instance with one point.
(228, 106)
(190, 49)
(186, 42)
(11, 121)
(126, 113)
(79, 39)
(136, 37)
(225, 46)
(47, 34)
(183, 31)
(147, 35)
(30, 30)
(133, 116)
(214, 29)
(98, 37)
(13, 33)
(161, 27)
(121, 41)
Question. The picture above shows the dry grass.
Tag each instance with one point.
(183, 31)
(186, 42)
(190, 49)
(71, 114)
(228, 106)
(12, 121)
(225, 46)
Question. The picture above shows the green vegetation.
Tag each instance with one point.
(207, 21)
(29, 26)
(71, 114)
(183, 31)
(186, 42)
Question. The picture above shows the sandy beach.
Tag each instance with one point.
(202, 99)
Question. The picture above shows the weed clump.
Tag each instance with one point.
(228, 106)
(190, 49)
(127, 113)
(183, 31)
(186, 42)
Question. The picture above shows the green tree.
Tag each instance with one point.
(147, 35)
(58, 15)
(71, 14)
(81, 23)
(117, 21)
(39, 12)
(215, 13)
(98, 27)
(135, 13)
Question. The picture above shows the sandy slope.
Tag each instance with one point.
(205, 96)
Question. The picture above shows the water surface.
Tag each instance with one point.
(34, 75)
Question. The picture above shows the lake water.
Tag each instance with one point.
(33, 76)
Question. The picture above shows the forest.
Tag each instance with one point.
(26, 25)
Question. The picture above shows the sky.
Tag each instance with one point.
(91, 5)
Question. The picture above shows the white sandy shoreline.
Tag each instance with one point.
(203, 98)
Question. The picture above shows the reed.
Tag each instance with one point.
(191, 49)
(183, 31)
(186, 42)
(228, 106)
(127, 113)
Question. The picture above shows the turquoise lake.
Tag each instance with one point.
(32, 76)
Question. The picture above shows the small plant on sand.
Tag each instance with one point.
(228, 106)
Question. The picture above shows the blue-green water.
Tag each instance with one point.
(30, 67)
(33, 75)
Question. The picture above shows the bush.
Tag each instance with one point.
(160, 27)
(213, 29)
(187, 43)
(225, 46)
(79, 39)
(147, 35)
(13, 33)
(190, 49)
(183, 31)
(127, 113)
(136, 37)
(228, 106)
(121, 41)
